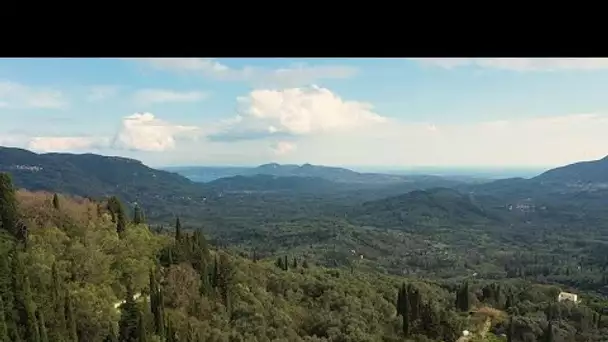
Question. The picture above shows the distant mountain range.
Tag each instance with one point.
(164, 192)
(334, 174)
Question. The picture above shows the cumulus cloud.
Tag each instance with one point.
(283, 147)
(151, 96)
(144, 132)
(296, 112)
(70, 144)
(19, 96)
(102, 92)
(519, 64)
(286, 77)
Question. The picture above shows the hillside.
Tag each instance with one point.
(334, 174)
(438, 206)
(269, 183)
(588, 173)
(99, 176)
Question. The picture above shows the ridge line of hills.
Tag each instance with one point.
(165, 193)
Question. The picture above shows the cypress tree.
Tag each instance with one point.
(42, 327)
(70, 318)
(178, 229)
(279, 263)
(295, 262)
(129, 320)
(23, 304)
(511, 331)
(141, 328)
(8, 204)
(205, 284)
(3, 326)
(6, 295)
(138, 216)
(285, 264)
(403, 307)
(549, 334)
(55, 201)
(58, 328)
(111, 337)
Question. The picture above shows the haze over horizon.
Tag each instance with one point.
(391, 113)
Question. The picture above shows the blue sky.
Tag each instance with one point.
(367, 112)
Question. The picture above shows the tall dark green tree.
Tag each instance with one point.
(463, 300)
(549, 333)
(511, 331)
(24, 306)
(178, 229)
(42, 327)
(111, 336)
(55, 201)
(118, 214)
(6, 294)
(129, 319)
(156, 305)
(141, 329)
(403, 309)
(9, 218)
(57, 301)
(4, 334)
(138, 215)
(70, 318)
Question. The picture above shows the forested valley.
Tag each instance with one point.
(107, 249)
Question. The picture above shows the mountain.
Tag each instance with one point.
(436, 207)
(334, 174)
(269, 183)
(580, 174)
(98, 176)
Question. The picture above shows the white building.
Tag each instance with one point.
(567, 296)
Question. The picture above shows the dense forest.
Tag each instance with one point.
(75, 269)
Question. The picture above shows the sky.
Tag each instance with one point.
(394, 113)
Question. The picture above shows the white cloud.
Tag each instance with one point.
(144, 132)
(541, 141)
(297, 111)
(102, 92)
(151, 96)
(284, 77)
(16, 95)
(519, 64)
(72, 144)
(283, 147)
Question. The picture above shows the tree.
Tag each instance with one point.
(403, 308)
(138, 215)
(55, 201)
(178, 229)
(42, 327)
(549, 333)
(141, 328)
(463, 301)
(129, 319)
(511, 331)
(111, 337)
(9, 218)
(3, 326)
(24, 306)
(118, 214)
(70, 319)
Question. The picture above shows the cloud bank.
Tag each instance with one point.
(519, 64)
